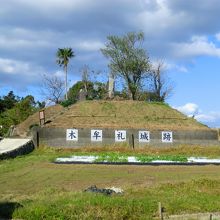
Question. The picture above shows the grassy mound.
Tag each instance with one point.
(124, 114)
(50, 113)
(113, 114)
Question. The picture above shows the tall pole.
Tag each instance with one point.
(65, 69)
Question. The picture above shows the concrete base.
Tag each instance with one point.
(12, 147)
(56, 137)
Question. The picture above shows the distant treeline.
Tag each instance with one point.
(15, 109)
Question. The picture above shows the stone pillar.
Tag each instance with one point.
(82, 95)
(111, 85)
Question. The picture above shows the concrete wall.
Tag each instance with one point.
(20, 150)
(56, 137)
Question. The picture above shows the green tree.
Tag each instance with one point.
(63, 57)
(13, 116)
(95, 90)
(8, 101)
(73, 92)
(2, 106)
(128, 59)
(100, 90)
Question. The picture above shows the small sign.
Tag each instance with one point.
(167, 136)
(71, 134)
(144, 136)
(120, 135)
(41, 114)
(96, 135)
(42, 117)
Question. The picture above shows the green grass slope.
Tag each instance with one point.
(124, 114)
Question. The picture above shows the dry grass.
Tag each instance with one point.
(124, 114)
(113, 114)
(50, 113)
(185, 150)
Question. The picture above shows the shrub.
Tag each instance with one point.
(33, 125)
(67, 103)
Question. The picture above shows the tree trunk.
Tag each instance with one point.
(133, 96)
(65, 70)
(131, 93)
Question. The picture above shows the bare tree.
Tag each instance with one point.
(53, 88)
(161, 86)
(85, 77)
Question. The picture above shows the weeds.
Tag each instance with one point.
(111, 157)
(145, 158)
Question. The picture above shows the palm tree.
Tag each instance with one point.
(63, 57)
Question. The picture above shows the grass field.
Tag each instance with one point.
(32, 187)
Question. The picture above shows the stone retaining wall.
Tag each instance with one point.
(56, 137)
(24, 149)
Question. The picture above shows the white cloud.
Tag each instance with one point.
(217, 36)
(188, 109)
(176, 67)
(205, 118)
(19, 74)
(25, 38)
(14, 66)
(173, 29)
(59, 73)
(15, 43)
(160, 17)
(90, 45)
(198, 46)
(212, 118)
(208, 117)
(169, 66)
(48, 5)
(181, 68)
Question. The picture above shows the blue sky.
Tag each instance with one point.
(185, 34)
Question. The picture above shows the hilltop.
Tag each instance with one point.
(114, 114)
(124, 114)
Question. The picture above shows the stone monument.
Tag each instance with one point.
(82, 95)
(111, 85)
